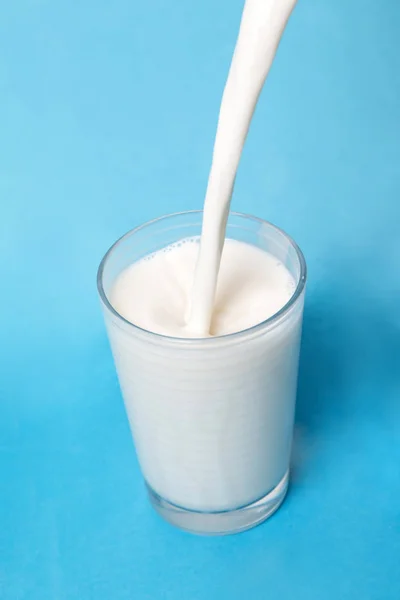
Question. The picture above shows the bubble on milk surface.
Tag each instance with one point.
(171, 247)
(291, 286)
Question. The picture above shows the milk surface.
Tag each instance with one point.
(153, 293)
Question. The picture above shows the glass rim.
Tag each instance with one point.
(213, 339)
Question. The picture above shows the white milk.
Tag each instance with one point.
(262, 25)
(211, 419)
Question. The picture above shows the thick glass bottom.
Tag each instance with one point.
(224, 522)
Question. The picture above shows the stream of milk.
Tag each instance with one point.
(262, 25)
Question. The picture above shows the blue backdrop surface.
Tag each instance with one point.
(107, 117)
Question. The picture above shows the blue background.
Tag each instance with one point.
(107, 117)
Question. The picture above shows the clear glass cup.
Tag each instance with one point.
(212, 419)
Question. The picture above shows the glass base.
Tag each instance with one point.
(224, 522)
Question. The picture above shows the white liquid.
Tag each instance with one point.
(212, 421)
(261, 29)
(153, 293)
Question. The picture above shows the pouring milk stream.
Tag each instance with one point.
(261, 29)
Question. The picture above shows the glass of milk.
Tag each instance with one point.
(211, 418)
